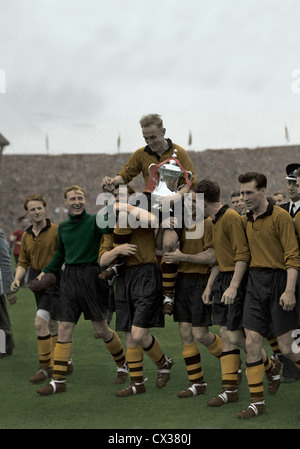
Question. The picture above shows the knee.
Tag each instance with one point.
(170, 239)
(141, 336)
(41, 325)
(203, 336)
(186, 333)
(287, 347)
(103, 330)
(253, 344)
(53, 327)
(65, 330)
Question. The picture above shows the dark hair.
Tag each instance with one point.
(259, 178)
(235, 194)
(210, 189)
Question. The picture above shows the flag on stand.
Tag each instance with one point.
(47, 143)
(286, 133)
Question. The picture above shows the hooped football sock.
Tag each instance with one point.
(192, 359)
(62, 355)
(274, 345)
(134, 357)
(268, 365)
(114, 346)
(44, 351)
(255, 374)
(216, 347)
(155, 352)
(53, 344)
(230, 364)
(169, 275)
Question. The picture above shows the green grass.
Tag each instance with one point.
(90, 401)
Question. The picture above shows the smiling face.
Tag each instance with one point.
(75, 202)
(154, 137)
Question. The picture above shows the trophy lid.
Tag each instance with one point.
(171, 165)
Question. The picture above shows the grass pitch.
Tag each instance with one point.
(90, 401)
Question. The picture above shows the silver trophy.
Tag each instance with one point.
(169, 174)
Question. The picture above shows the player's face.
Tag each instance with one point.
(75, 202)
(195, 205)
(154, 137)
(279, 199)
(236, 204)
(252, 196)
(36, 211)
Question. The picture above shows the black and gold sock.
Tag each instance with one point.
(53, 344)
(216, 347)
(268, 365)
(230, 364)
(255, 374)
(114, 346)
(62, 355)
(44, 351)
(192, 359)
(134, 357)
(169, 275)
(155, 353)
(274, 345)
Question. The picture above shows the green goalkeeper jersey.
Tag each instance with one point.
(79, 240)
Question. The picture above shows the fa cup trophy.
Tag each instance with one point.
(166, 177)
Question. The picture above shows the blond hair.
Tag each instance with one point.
(73, 187)
(151, 119)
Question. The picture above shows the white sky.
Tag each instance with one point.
(85, 71)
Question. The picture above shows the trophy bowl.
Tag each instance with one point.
(169, 174)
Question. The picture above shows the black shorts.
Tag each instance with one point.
(188, 304)
(228, 315)
(50, 299)
(83, 292)
(262, 312)
(139, 298)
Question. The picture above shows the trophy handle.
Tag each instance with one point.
(149, 169)
(190, 175)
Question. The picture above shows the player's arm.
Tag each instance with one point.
(288, 299)
(206, 297)
(19, 276)
(230, 293)
(126, 249)
(207, 257)
(108, 184)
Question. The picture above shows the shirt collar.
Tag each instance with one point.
(30, 231)
(220, 213)
(75, 218)
(268, 212)
(148, 150)
(297, 204)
